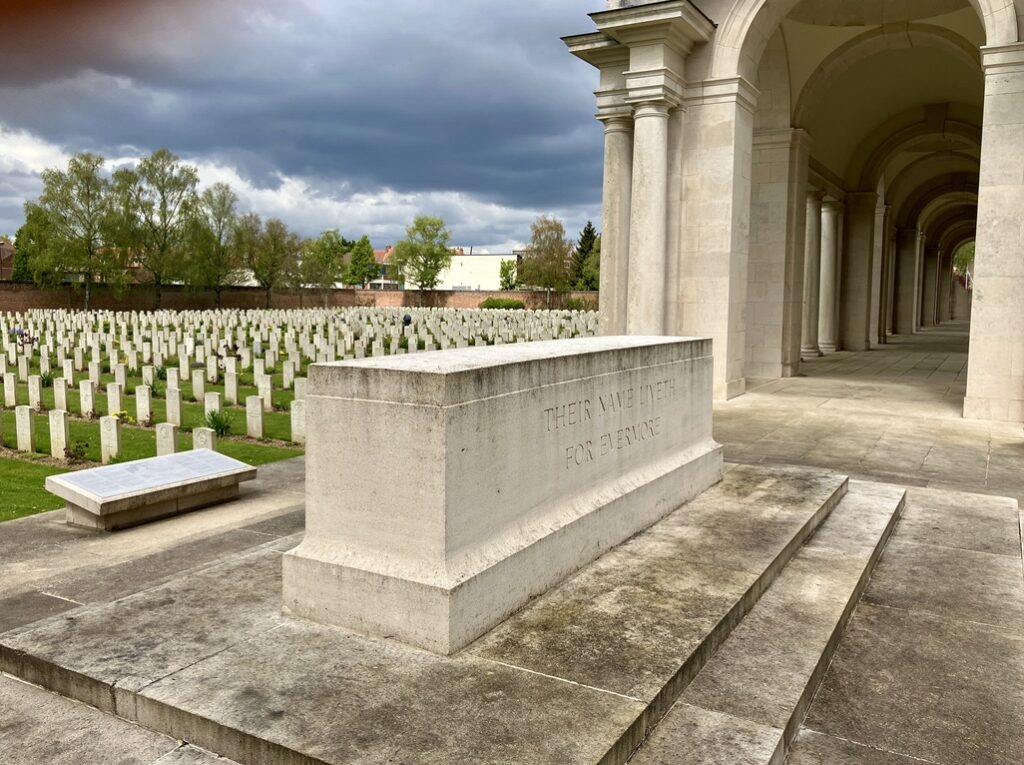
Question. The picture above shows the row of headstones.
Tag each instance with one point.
(110, 435)
(448, 323)
(166, 432)
(255, 406)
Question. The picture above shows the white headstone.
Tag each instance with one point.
(254, 416)
(110, 438)
(60, 393)
(166, 438)
(114, 403)
(231, 388)
(204, 438)
(24, 421)
(198, 385)
(60, 433)
(143, 404)
(298, 418)
(211, 403)
(35, 392)
(87, 398)
(174, 406)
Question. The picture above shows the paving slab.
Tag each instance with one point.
(956, 519)
(42, 728)
(812, 748)
(938, 689)
(673, 592)
(768, 669)
(951, 582)
(208, 656)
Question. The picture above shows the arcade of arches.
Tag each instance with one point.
(793, 177)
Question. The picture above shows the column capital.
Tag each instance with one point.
(617, 121)
(817, 196)
(652, 109)
(832, 206)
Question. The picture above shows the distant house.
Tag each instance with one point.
(474, 271)
(7, 251)
(384, 281)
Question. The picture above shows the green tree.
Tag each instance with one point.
(157, 202)
(323, 261)
(270, 251)
(424, 253)
(545, 264)
(580, 253)
(362, 266)
(963, 258)
(507, 275)
(592, 267)
(212, 261)
(67, 230)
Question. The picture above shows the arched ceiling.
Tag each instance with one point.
(854, 13)
(871, 92)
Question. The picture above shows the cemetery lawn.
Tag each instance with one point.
(21, 489)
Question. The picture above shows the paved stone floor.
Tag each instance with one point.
(931, 668)
(892, 415)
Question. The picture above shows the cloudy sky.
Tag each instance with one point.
(349, 114)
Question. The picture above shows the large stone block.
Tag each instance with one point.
(518, 465)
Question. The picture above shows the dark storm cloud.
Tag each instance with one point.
(474, 96)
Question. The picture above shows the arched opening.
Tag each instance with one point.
(888, 102)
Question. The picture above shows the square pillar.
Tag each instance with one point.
(857, 272)
(775, 268)
(716, 224)
(907, 287)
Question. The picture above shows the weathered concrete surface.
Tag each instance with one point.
(48, 566)
(613, 432)
(208, 656)
(42, 728)
(671, 593)
(932, 665)
(764, 675)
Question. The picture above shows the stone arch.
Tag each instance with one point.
(920, 209)
(931, 165)
(745, 32)
(896, 137)
(887, 38)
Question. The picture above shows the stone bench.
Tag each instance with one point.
(118, 496)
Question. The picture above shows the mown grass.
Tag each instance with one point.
(21, 489)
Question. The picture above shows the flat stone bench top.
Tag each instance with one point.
(115, 488)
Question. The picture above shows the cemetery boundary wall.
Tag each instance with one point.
(22, 297)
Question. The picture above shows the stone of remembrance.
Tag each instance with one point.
(446, 490)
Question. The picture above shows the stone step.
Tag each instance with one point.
(747, 704)
(578, 677)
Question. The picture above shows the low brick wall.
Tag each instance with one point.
(22, 297)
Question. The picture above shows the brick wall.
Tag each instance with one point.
(21, 297)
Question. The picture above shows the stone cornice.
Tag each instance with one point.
(676, 22)
(1003, 58)
(598, 49)
(726, 90)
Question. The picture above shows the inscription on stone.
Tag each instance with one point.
(646, 396)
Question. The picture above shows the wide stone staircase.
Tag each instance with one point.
(701, 640)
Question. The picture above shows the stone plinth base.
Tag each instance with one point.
(445, 490)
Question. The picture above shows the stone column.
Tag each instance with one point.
(929, 283)
(615, 210)
(828, 340)
(946, 289)
(906, 288)
(856, 271)
(649, 210)
(812, 275)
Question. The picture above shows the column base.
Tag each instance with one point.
(811, 351)
(826, 348)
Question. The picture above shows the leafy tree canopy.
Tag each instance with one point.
(424, 253)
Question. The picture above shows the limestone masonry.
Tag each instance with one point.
(446, 490)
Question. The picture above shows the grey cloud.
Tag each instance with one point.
(468, 96)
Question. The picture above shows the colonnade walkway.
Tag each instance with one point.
(892, 414)
(931, 666)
